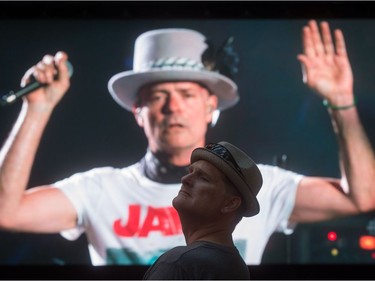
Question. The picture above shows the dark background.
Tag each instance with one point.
(277, 114)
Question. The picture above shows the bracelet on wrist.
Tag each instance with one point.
(342, 107)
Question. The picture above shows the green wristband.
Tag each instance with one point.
(334, 107)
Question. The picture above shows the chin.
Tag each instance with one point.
(175, 201)
(178, 202)
(184, 139)
(175, 143)
(177, 138)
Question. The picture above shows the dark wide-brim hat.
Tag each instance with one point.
(238, 167)
(168, 55)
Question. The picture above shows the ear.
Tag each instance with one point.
(232, 204)
(212, 102)
(137, 112)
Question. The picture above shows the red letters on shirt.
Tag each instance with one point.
(164, 220)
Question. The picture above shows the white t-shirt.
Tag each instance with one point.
(129, 219)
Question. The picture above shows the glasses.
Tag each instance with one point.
(223, 153)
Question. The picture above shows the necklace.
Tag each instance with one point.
(161, 171)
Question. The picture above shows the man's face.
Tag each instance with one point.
(175, 115)
(204, 192)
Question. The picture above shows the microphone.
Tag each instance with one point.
(13, 96)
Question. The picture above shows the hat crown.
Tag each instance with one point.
(169, 48)
(248, 167)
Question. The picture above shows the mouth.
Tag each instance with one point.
(176, 125)
(172, 129)
(173, 124)
(184, 193)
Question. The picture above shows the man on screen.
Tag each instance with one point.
(173, 91)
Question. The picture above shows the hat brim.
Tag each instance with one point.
(124, 86)
(251, 202)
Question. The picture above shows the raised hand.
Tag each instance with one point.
(326, 67)
(45, 72)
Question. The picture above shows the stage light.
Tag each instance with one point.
(332, 236)
(367, 242)
(334, 252)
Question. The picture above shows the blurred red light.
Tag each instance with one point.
(367, 242)
(332, 236)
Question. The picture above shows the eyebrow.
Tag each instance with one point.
(201, 171)
(179, 90)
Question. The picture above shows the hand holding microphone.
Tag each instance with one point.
(42, 74)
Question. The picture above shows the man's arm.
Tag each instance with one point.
(328, 72)
(41, 209)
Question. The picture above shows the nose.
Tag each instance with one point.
(187, 179)
(172, 104)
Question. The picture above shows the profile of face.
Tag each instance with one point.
(175, 115)
(206, 194)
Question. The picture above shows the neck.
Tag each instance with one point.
(157, 168)
(178, 155)
(215, 232)
(176, 158)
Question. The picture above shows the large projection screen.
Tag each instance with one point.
(277, 117)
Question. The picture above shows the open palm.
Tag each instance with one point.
(326, 66)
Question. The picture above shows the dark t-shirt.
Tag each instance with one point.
(199, 260)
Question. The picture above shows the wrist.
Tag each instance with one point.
(38, 107)
(341, 105)
(38, 112)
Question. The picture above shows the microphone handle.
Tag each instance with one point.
(13, 96)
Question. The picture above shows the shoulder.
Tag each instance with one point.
(276, 176)
(102, 173)
(185, 254)
(207, 253)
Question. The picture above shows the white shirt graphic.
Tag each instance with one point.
(130, 220)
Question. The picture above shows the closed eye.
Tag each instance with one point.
(199, 173)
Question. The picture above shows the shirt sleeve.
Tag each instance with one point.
(83, 190)
(277, 197)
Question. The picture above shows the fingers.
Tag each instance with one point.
(46, 70)
(49, 69)
(318, 43)
(327, 38)
(316, 39)
(308, 46)
(60, 62)
(340, 43)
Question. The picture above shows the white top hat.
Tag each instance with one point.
(166, 55)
